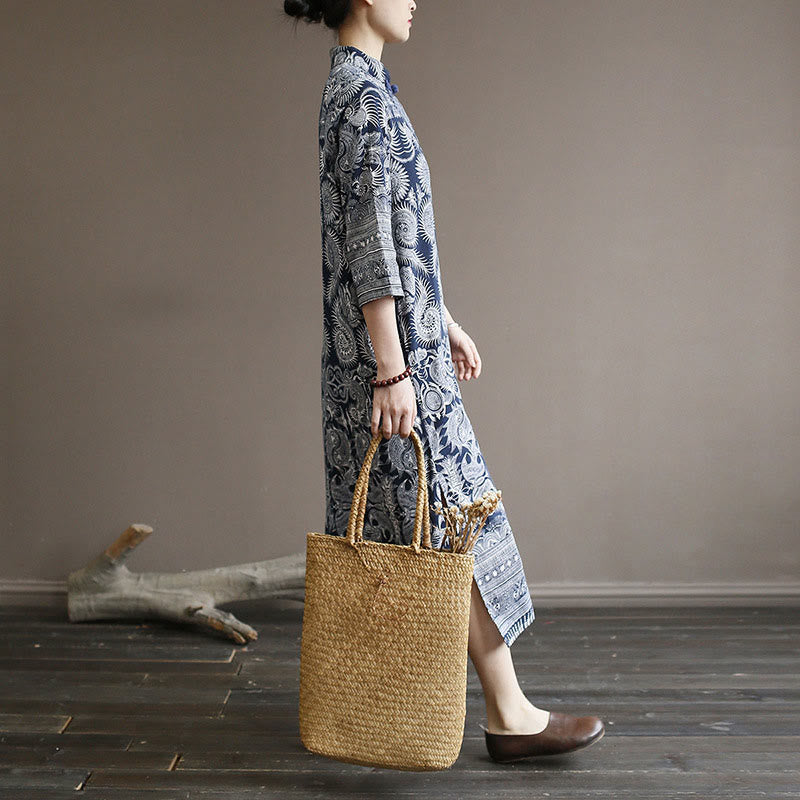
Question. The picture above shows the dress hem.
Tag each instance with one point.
(516, 629)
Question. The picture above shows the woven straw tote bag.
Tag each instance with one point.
(383, 655)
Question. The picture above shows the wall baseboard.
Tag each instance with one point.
(631, 593)
(567, 593)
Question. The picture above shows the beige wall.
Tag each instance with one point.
(617, 193)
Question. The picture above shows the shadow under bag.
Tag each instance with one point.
(383, 656)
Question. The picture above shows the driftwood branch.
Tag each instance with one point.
(106, 589)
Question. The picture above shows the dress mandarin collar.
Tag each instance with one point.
(353, 54)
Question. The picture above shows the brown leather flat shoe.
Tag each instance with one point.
(563, 734)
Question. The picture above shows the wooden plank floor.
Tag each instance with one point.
(698, 702)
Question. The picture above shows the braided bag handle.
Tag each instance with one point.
(358, 508)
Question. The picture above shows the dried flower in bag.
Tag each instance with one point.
(463, 523)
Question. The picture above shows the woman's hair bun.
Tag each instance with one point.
(332, 12)
(309, 10)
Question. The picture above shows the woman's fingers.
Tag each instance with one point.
(405, 423)
(477, 362)
(467, 362)
(468, 369)
(391, 423)
(394, 410)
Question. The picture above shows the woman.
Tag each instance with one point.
(385, 318)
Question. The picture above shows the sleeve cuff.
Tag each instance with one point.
(378, 288)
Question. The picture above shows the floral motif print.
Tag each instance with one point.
(379, 239)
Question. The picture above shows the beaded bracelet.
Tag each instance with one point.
(386, 381)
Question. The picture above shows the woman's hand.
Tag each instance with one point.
(394, 408)
(466, 359)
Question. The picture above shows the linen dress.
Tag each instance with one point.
(378, 239)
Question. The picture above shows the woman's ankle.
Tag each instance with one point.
(518, 715)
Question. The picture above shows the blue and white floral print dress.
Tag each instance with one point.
(378, 239)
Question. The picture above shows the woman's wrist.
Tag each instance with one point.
(390, 367)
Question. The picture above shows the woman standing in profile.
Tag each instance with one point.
(384, 319)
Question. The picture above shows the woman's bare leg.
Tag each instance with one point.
(507, 708)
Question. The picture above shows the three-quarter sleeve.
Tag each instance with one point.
(365, 176)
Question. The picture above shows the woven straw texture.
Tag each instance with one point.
(383, 656)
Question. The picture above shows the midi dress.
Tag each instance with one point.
(379, 239)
